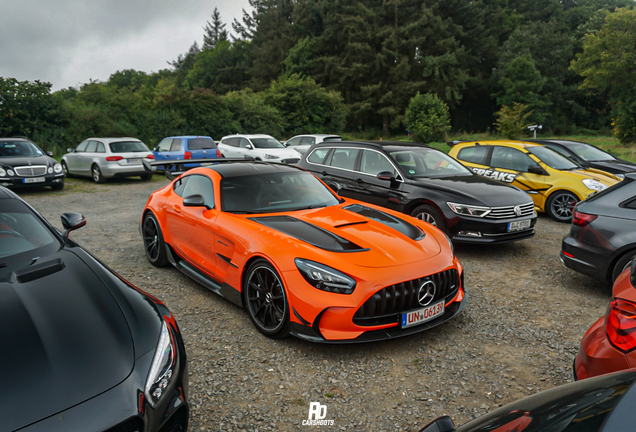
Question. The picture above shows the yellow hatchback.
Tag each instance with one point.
(554, 182)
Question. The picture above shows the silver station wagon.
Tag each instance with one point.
(104, 158)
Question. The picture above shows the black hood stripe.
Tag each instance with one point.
(403, 227)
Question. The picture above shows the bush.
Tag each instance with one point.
(511, 122)
(427, 118)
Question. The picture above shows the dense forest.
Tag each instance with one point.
(302, 66)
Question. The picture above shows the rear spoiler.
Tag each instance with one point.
(454, 143)
(178, 165)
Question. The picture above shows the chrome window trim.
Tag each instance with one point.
(397, 178)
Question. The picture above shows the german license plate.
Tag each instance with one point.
(519, 225)
(34, 180)
(134, 161)
(420, 316)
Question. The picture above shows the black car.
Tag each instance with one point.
(82, 348)
(602, 238)
(24, 164)
(605, 403)
(588, 156)
(425, 183)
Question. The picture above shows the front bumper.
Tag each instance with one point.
(487, 231)
(19, 182)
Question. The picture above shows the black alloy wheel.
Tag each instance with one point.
(97, 174)
(623, 264)
(560, 206)
(429, 214)
(153, 241)
(266, 300)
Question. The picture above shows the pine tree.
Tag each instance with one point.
(214, 31)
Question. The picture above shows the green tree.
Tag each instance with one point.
(522, 82)
(214, 31)
(221, 69)
(608, 65)
(427, 118)
(251, 114)
(512, 121)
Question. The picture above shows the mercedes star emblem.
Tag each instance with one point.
(426, 293)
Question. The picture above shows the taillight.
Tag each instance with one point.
(582, 219)
(188, 155)
(218, 153)
(113, 158)
(150, 156)
(620, 324)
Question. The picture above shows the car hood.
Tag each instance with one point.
(603, 177)
(279, 152)
(475, 190)
(65, 338)
(617, 166)
(26, 161)
(358, 233)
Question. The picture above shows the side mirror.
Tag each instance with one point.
(49, 153)
(386, 175)
(536, 169)
(70, 150)
(249, 147)
(194, 201)
(72, 221)
(156, 149)
(334, 186)
(440, 424)
(632, 279)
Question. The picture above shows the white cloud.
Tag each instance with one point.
(69, 42)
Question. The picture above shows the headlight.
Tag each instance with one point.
(469, 210)
(57, 168)
(50, 170)
(269, 156)
(620, 176)
(594, 184)
(325, 278)
(2, 172)
(10, 172)
(163, 371)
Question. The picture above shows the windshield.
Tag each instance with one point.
(266, 143)
(590, 153)
(19, 149)
(428, 162)
(21, 231)
(274, 192)
(128, 147)
(552, 158)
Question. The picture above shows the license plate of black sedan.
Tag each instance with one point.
(423, 315)
(519, 225)
(34, 180)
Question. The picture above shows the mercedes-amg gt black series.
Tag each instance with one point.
(425, 183)
(82, 348)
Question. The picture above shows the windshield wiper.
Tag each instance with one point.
(314, 206)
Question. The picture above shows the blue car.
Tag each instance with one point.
(186, 147)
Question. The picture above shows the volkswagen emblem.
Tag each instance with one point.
(426, 294)
(517, 210)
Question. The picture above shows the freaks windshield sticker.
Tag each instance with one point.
(495, 175)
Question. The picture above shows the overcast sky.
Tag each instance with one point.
(69, 42)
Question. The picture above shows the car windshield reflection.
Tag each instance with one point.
(423, 162)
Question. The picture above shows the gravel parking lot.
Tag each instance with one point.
(518, 334)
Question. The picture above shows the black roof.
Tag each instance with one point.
(555, 141)
(239, 168)
(6, 193)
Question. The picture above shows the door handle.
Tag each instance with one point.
(176, 208)
(359, 180)
(324, 173)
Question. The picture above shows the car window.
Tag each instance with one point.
(560, 150)
(179, 184)
(92, 146)
(201, 144)
(293, 142)
(164, 145)
(234, 142)
(243, 142)
(344, 158)
(307, 140)
(266, 143)
(475, 154)
(589, 153)
(100, 148)
(19, 149)
(428, 162)
(176, 145)
(21, 231)
(374, 163)
(332, 139)
(200, 185)
(509, 158)
(128, 147)
(318, 155)
(552, 158)
(82, 146)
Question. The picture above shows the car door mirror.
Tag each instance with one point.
(72, 221)
(536, 169)
(194, 201)
(334, 186)
(440, 424)
(156, 149)
(249, 146)
(70, 150)
(49, 153)
(386, 175)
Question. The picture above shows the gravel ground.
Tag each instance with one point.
(517, 335)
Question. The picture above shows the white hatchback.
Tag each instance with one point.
(258, 147)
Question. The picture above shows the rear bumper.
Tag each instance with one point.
(597, 356)
(585, 258)
(115, 170)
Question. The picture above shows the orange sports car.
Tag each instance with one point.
(303, 261)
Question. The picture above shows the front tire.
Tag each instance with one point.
(560, 206)
(66, 171)
(154, 245)
(624, 263)
(97, 174)
(265, 299)
(146, 177)
(429, 214)
(57, 187)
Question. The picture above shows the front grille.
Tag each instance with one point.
(133, 424)
(26, 171)
(386, 305)
(177, 423)
(290, 161)
(508, 212)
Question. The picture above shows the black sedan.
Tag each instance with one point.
(24, 164)
(589, 156)
(602, 238)
(83, 348)
(605, 403)
(425, 183)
